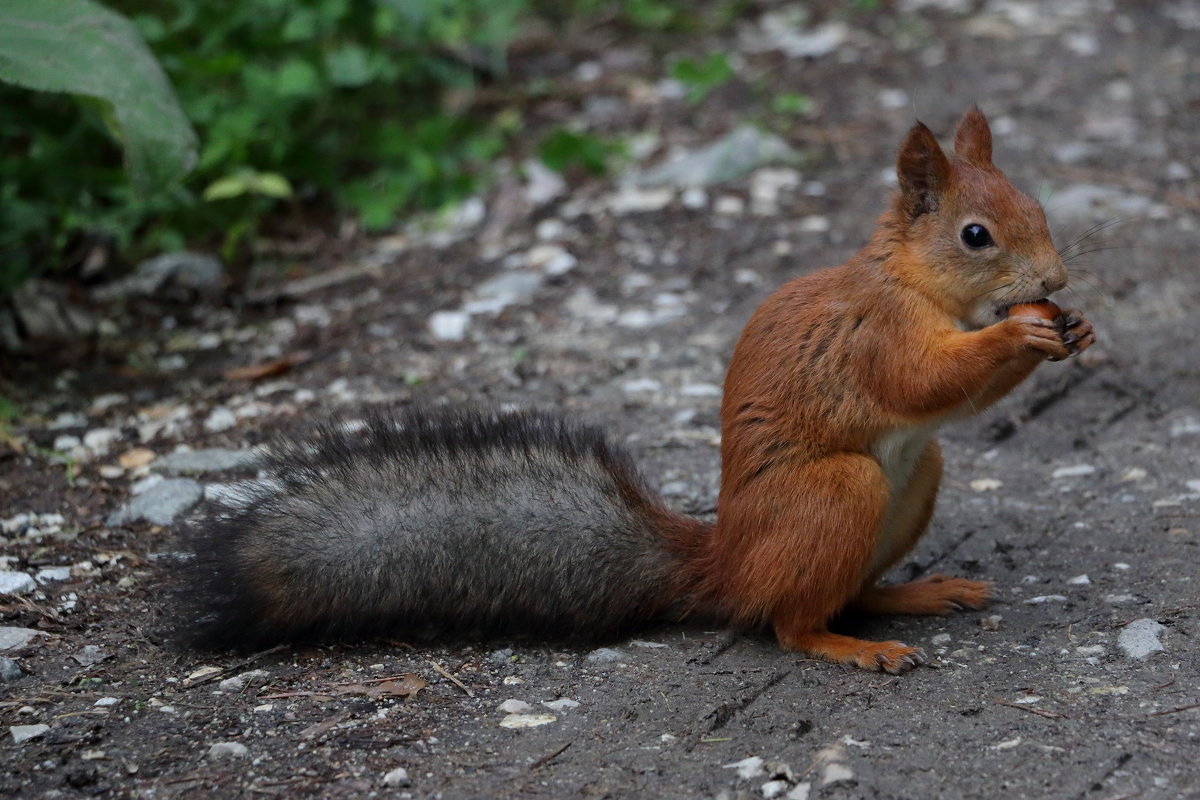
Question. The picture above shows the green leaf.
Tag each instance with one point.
(702, 76)
(349, 66)
(82, 48)
(297, 78)
(563, 149)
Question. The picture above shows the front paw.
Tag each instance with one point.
(1077, 333)
(1037, 336)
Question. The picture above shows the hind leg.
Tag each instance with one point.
(934, 594)
(794, 551)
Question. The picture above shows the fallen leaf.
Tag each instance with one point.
(137, 457)
(266, 369)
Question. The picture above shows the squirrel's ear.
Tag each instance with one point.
(973, 138)
(923, 170)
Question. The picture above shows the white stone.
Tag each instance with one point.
(65, 443)
(100, 440)
(631, 199)
(639, 385)
(694, 198)
(1046, 598)
(1007, 744)
(23, 733)
(561, 704)
(1139, 638)
(16, 583)
(730, 205)
(515, 707)
(747, 768)
(106, 702)
(551, 259)
(220, 419)
(800, 791)
(449, 326)
(836, 772)
(1079, 580)
(986, 484)
(227, 749)
(1073, 471)
(772, 789)
(526, 720)
(49, 574)
(397, 778)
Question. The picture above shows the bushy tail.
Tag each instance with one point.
(433, 522)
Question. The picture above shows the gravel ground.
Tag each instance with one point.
(1078, 495)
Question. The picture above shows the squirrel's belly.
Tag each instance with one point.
(897, 453)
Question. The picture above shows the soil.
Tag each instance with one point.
(1077, 495)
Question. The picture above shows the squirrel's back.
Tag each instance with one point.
(438, 521)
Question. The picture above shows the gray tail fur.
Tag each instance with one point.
(471, 522)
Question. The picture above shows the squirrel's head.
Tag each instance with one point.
(982, 244)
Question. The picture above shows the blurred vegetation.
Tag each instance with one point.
(344, 107)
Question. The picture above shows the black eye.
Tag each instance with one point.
(976, 236)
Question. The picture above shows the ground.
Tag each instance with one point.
(1078, 495)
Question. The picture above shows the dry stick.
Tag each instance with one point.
(234, 667)
(451, 678)
(1173, 710)
(1039, 711)
(544, 760)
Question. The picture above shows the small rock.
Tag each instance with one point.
(526, 720)
(1079, 580)
(940, 639)
(161, 504)
(449, 326)
(10, 670)
(800, 791)
(220, 419)
(228, 750)
(772, 789)
(16, 638)
(836, 772)
(513, 706)
(1046, 598)
(90, 654)
(986, 484)
(1073, 471)
(730, 205)
(606, 655)
(747, 768)
(65, 443)
(397, 778)
(738, 153)
(631, 200)
(1139, 638)
(49, 574)
(100, 440)
(209, 459)
(551, 259)
(1007, 744)
(991, 623)
(561, 704)
(639, 385)
(23, 733)
(542, 184)
(506, 289)
(106, 702)
(16, 583)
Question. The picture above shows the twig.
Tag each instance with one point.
(245, 662)
(1041, 712)
(544, 760)
(451, 678)
(1174, 710)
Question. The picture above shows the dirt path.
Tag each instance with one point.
(1078, 495)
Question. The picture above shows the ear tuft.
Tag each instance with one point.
(973, 138)
(923, 170)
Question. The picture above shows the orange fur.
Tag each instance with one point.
(829, 470)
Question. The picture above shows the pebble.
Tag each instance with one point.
(1046, 598)
(630, 199)
(836, 772)
(606, 655)
(1073, 471)
(161, 504)
(747, 768)
(101, 439)
(506, 289)
(107, 702)
(991, 623)
(23, 733)
(551, 259)
(513, 706)
(449, 326)
(694, 198)
(800, 791)
(15, 638)
(1079, 580)
(940, 639)
(986, 484)
(772, 789)
(66, 443)
(53, 574)
(16, 583)
(220, 419)
(68, 419)
(397, 778)
(526, 720)
(1139, 638)
(561, 704)
(209, 459)
(228, 750)
(10, 670)
(730, 205)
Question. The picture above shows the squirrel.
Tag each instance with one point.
(476, 521)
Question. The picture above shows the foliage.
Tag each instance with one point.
(358, 107)
(701, 76)
(563, 150)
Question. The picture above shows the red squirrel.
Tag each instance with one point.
(522, 522)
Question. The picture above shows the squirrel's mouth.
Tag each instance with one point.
(1003, 309)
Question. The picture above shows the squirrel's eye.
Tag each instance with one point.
(976, 236)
